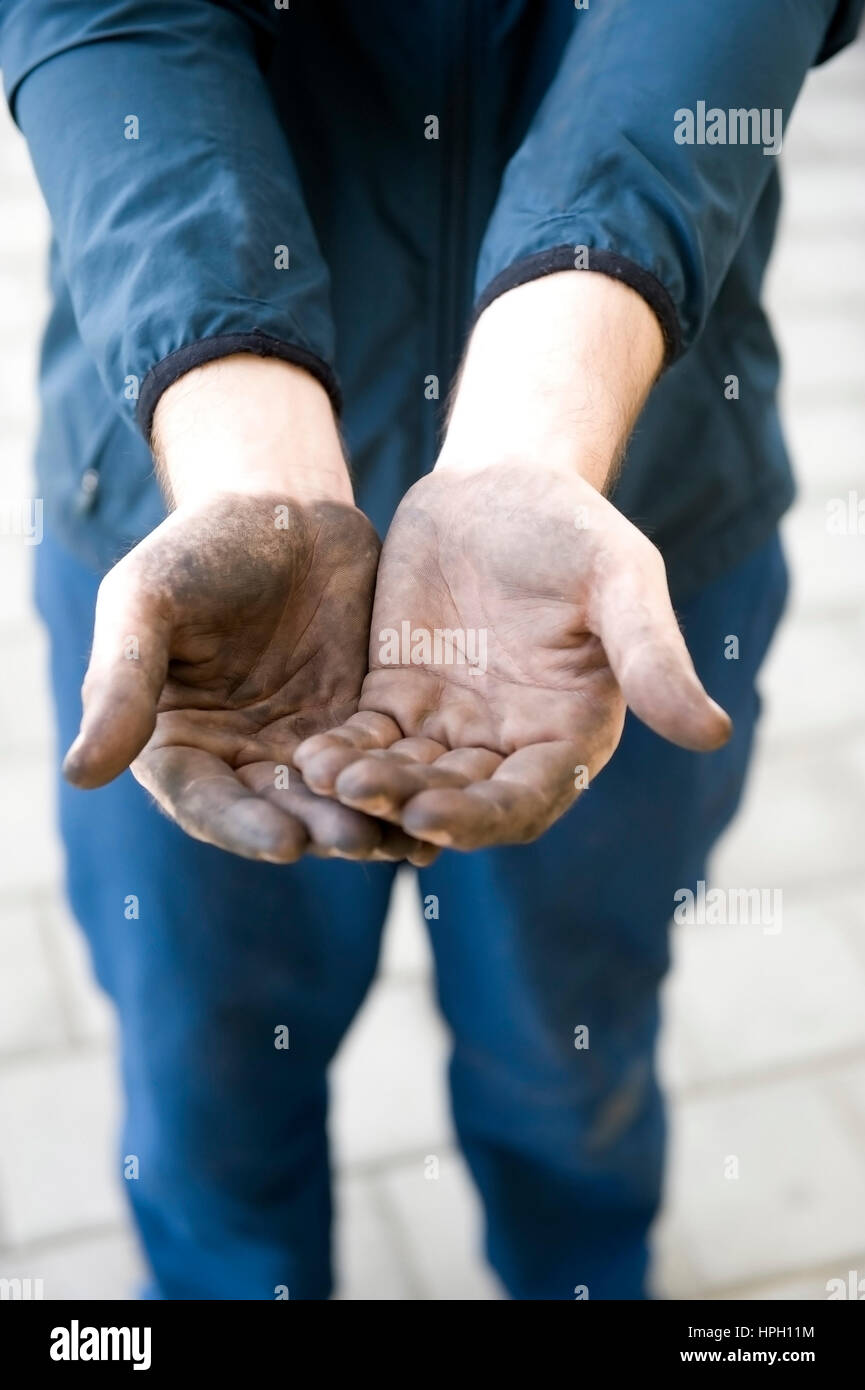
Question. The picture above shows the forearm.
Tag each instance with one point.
(248, 425)
(555, 375)
(175, 204)
(610, 163)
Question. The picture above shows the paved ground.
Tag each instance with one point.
(764, 1046)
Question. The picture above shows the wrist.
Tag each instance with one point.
(248, 425)
(555, 375)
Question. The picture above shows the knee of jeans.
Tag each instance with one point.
(591, 1081)
(206, 1146)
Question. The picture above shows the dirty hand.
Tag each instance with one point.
(238, 627)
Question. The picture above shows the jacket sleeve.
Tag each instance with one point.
(176, 208)
(606, 178)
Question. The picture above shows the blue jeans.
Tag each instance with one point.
(565, 1143)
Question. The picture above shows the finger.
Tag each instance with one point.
(381, 783)
(333, 830)
(477, 764)
(209, 802)
(421, 855)
(363, 730)
(650, 661)
(525, 795)
(124, 680)
(417, 749)
(397, 845)
(322, 757)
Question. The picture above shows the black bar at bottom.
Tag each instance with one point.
(254, 1339)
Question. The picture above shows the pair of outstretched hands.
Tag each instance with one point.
(238, 649)
(244, 665)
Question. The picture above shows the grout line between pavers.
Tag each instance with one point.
(61, 1240)
(86, 1047)
(391, 1222)
(404, 1158)
(768, 1281)
(807, 1070)
(847, 1112)
(48, 939)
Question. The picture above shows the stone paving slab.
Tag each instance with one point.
(764, 1182)
(59, 1171)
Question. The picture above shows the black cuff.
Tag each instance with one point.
(160, 377)
(606, 263)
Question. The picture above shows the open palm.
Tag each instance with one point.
(516, 614)
(221, 641)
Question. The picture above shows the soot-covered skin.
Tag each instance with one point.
(573, 603)
(224, 639)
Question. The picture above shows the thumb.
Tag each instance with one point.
(124, 680)
(648, 656)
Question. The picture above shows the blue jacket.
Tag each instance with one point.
(343, 183)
